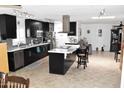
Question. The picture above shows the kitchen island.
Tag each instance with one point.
(60, 59)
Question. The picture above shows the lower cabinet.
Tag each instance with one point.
(59, 65)
(25, 57)
(70, 59)
(16, 60)
(33, 54)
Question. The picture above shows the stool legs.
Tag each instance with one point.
(81, 61)
(116, 57)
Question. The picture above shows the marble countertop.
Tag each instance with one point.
(71, 43)
(69, 50)
(13, 49)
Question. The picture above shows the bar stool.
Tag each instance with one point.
(82, 55)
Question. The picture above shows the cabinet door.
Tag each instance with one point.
(27, 56)
(18, 59)
(27, 28)
(3, 33)
(7, 26)
(51, 26)
(22, 58)
(11, 26)
(33, 29)
(45, 26)
(46, 48)
(72, 29)
(32, 26)
(70, 59)
(37, 53)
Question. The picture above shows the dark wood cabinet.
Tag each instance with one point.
(31, 27)
(7, 26)
(115, 44)
(51, 26)
(45, 26)
(21, 58)
(16, 60)
(69, 61)
(28, 58)
(58, 64)
(72, 29)
(45, 50)
(33, 54)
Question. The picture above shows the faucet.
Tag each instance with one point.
(18, 44)
(32, 42)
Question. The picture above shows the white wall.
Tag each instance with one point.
(58, 28)
(20, 31)
(61, 38)
(93, 37)
(78, 29)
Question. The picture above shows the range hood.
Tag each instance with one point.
(65, 24)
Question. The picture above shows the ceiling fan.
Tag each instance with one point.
(11, 6)
(121, 24)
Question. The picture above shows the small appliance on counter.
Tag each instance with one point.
(38, 40)
(39, 33)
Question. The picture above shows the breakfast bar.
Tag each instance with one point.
(60, 59)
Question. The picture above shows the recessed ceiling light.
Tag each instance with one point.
(103, 17)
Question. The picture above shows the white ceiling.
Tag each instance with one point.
(81, 13)
(77, 12)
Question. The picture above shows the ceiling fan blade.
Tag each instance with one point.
(11, 6)
(116, 26)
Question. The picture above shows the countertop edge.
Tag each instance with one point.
(62, 52)
(21, 48)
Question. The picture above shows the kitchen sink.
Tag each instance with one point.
(64, 47)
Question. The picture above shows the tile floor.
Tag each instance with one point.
(102, 72)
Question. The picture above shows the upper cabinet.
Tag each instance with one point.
(32, 26)
(7, 26)
(48, 26)
(45, 26)
(51, 26)
(72, 29)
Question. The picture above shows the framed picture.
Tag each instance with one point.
(99, 32)
(88, 31)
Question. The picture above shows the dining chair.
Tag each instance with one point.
(16, 82)
(2, 83)
(2, 80)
